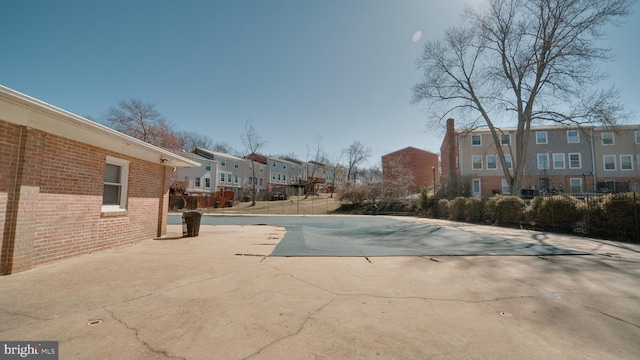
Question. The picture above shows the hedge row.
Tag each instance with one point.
(613, 216)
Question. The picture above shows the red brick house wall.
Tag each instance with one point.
(56, 210)
(417, 162)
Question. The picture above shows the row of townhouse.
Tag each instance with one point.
(558, 159)
(225, 172)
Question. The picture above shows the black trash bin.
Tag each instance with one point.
(230, 203)
(191, 223)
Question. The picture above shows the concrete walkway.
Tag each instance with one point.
(218, 297)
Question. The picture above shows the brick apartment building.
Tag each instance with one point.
(419, 165)
(559, 159)
(69, 186)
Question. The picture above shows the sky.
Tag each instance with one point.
(336, 71)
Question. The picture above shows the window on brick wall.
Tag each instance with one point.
(116, 177)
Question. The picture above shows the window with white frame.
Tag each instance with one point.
(505, 139)
(207, 167)
(236, 179)
(222, 176)
(236, 164)
(116, 177)
(541, 137)
(492, 162)
(575, 185)
(273, 176)
(274, 164)
(609, 162)
(207, 183)
(284, 177)
(279, 177)
(196, 182)
(543, 161)
(637, 137)
(558, 161)
(507, 159)
(607, 138)
(575, 161)
(260, 181)
(626, 162)
(229, 178)
(223, 162)
(573, 136)
(476, 140)
(476, 162)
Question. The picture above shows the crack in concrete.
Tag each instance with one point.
(590, 308)
(302, 326)
(141, 341)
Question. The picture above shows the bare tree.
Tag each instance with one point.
(356, 155)
(142, 121)
(527, 60)
(189, 140)
(398, 180)
(313, 164)
(253, 143)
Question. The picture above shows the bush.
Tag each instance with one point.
(505, 209)
(425, 203)
(474, 209)
(456, 208)
(614, 216)
(558, 213)
(442, 209)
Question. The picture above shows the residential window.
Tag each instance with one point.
(609, 162)
(626, 162)
(476, 162)
(575, 162)
(544, 184)
(274, 164)
(222, 177)
(507, 158)
(207, 182)
(279, 177)
(273, 177)
(223, 162)
(293, 168)
(260, 181)
(543, 161)
(558, 161)
(207, 167)
(541, 137)
(236, 165)
(573, 137)
(229, 178)
(637, 137)
(236, 179)
(116, 177)
(607, 138)
(575, 185)
(492, 162)
(476, 140)
(505, 139)
(284, 177)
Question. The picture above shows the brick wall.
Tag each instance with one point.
(58, 207)
(414, 161)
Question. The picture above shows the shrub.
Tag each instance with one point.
(456, 208)
(442, 209)
(615, 216)
(474, 209)
(558, 213)
(425, 203)
(505, 209)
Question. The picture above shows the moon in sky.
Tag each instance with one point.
(417, 35)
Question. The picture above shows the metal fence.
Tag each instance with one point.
(599, 215)
(266, 203)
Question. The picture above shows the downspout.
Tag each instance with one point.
(593, 161)
(14, 210)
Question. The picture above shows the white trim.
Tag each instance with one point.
(546, 137)
(23, 110)
(630, 162)
(538, 160)
(124, 181)
(495, 162)
(553, 157)
(472, 162)
(579, 159)
(613, 139)
(577, 136)
(604, 162)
